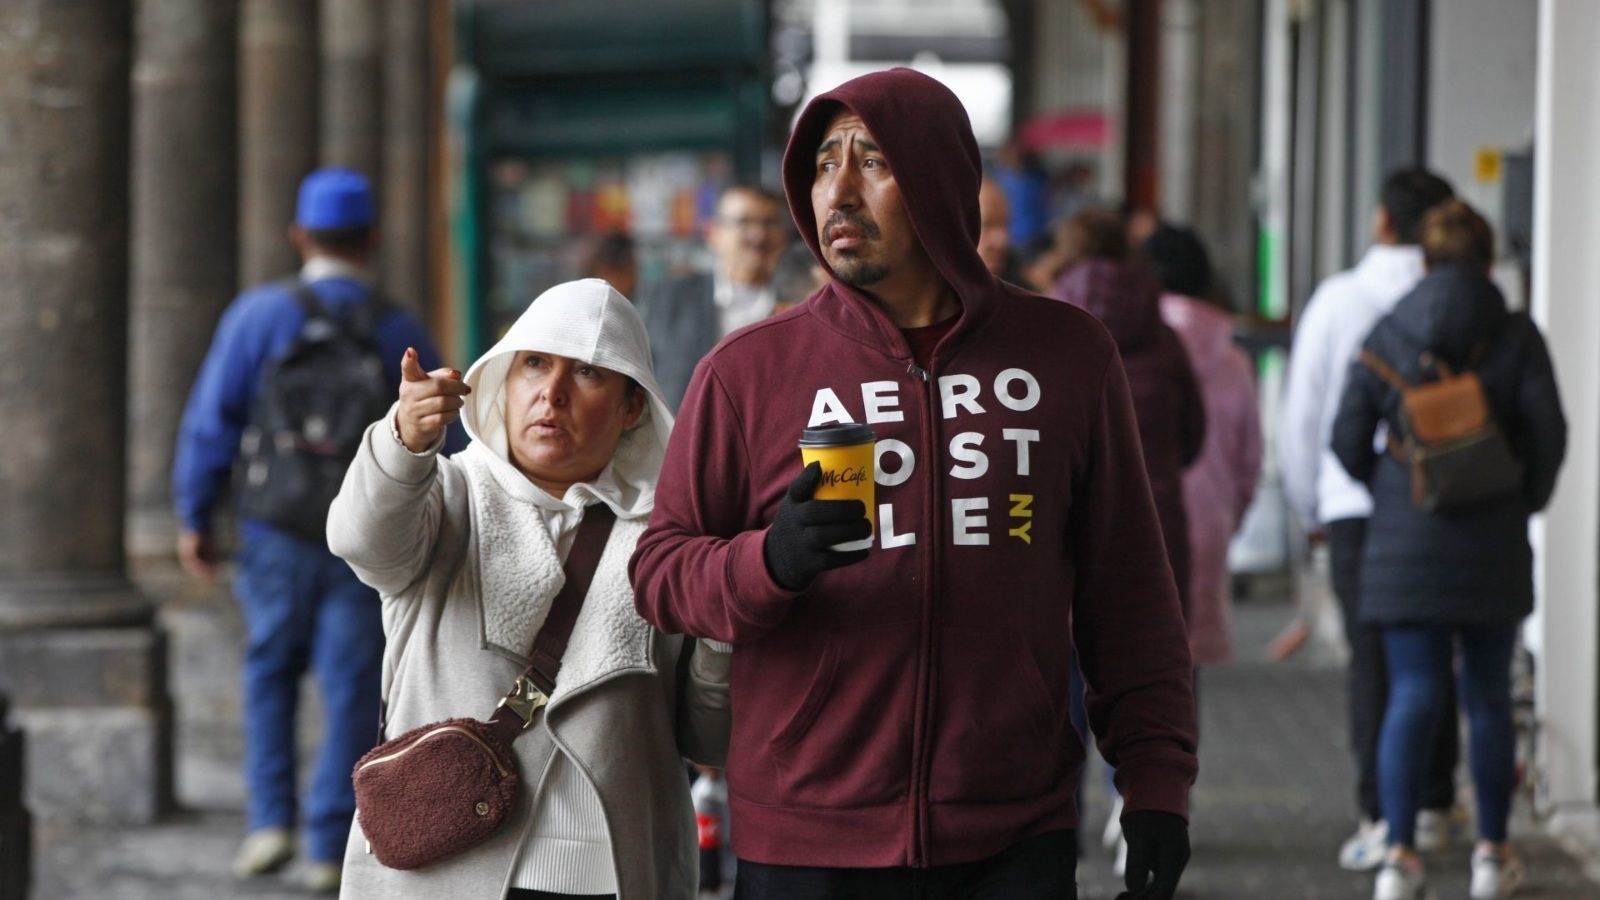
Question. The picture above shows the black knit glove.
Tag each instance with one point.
(1158, 849)
(798, 542)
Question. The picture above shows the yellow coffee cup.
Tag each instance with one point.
(846, 454)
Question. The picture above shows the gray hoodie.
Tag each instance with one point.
(467, 570)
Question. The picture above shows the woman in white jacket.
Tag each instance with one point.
(467, 552)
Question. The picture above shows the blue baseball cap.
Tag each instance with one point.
(334, 200)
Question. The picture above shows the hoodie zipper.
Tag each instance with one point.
(920, 764)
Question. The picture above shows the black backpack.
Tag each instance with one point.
(315, 403)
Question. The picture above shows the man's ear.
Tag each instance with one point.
(1383, 227)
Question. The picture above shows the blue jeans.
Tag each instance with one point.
(1420, 668)
(303, 608)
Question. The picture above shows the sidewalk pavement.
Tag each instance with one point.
(1275, 795)
(1272, 804)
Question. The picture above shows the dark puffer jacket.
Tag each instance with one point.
(1472, 566)
(1166, 396)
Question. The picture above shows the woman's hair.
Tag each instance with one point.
(1453, 234)
(1092, 234)
(1179, 261)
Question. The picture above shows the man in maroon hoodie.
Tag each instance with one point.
(900, 718)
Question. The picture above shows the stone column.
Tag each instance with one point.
(1566, 280)
(1142, 113)
(407, 98)
(1226, 137)
(277, 128)
(185, 251)
(78, 652)
(352, 85)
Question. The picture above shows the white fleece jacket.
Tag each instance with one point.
(467, 554)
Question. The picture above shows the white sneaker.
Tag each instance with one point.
(322, 877)
(1120, 867)
(1113, 829)
(1402, 881)
(1494, 876)
(1437, 829)
(1364, 850)
(264, 850)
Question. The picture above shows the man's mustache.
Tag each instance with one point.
(857, 221)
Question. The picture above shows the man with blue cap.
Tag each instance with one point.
(295, 367)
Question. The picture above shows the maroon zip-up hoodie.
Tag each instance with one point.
(912, 709)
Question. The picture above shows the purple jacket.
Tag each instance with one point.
(1218, 488)
(1166, 398)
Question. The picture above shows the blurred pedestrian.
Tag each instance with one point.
(1108, 283)
(1072, 190)
(468, 553)
(612, 260)
(1458, 575)
(1103, 279)
(994, 237)
(294, 367)
(1026, 187)
(687, 316)
(899, 727)
(1092, 233)
(1334, 507)
(1218, 487)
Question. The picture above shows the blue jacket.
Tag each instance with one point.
(256, 329)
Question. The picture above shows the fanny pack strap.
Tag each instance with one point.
(538, 681)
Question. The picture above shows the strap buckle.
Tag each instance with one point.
(525, 699)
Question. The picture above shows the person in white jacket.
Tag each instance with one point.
(564, 413)
(1332, 506)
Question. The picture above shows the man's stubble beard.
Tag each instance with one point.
(853, 271)
(859, 273)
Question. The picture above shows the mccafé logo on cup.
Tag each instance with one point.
(846, 454)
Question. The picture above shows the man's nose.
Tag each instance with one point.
(844, 188)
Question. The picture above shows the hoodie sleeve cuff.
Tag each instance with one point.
(1157, 787)
(395, 459)
(757, 599)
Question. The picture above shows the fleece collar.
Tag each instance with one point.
(519, 575)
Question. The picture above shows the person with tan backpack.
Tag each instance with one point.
(1452, 418)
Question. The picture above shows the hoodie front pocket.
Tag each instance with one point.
(998, 731)
(840, 737)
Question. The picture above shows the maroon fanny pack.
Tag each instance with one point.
(445, 787)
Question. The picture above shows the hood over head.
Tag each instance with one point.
(590, 321)
(927, 139)
(1125, 298)
(1207, 330)
(1451, 312)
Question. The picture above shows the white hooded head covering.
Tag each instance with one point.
(586, 320)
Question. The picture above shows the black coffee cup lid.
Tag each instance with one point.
(837, 435)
